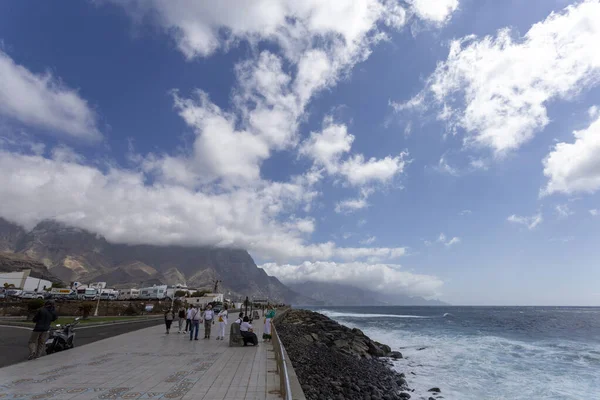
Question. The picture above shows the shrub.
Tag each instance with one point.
(131, 310)
(85, 309)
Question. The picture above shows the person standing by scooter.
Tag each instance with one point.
(43, 318)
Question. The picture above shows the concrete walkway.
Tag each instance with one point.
(147, 364)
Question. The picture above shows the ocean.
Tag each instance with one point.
(475, 353)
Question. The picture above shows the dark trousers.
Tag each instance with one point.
(249, 337)
(207, 328)
(168, 324)
(195, 326)
(37, 343)
(188, 325)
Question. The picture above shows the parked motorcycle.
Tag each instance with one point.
(61, 338)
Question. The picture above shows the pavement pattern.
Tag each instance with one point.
(148, 364)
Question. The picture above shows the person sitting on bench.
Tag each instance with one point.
(246, 332)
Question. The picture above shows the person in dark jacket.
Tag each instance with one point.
(37, 341)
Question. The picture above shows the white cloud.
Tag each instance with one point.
(465, 212)
(575, 167)
(43, 101)
(594, 212)
(327, 147)
(120, 205)
(387, 278)
(444, 240)
(593, 111)
(437, 11)
(446, 168)
(497, 88)
(351, 205)
(563, 210)
(369, 240)
(529, 222)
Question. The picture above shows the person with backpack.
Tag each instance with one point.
(222, 318)
(195, 316)
(182, 318)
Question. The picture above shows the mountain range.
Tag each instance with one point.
(73, 254)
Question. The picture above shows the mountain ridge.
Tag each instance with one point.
(74, 254)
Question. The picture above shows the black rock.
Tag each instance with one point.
(396, 355)
(404, 395)
(434, 390)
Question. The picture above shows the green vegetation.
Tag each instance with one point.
(199, 293)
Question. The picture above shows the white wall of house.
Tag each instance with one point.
(22, 280)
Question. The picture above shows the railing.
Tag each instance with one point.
(282, 370)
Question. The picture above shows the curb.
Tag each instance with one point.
(8, 324)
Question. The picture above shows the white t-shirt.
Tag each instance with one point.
(209, 314)
(245, 326)
(223, 316)
(189, 313)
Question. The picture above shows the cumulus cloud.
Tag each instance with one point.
(575, 167)
(445, 241)
(120, 205)
(593, 212)
(327, 147)
(436, 11)
(387, 278)
(43, 101)
(529, 222)
(497, 88)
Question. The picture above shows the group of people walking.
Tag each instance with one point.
(193, 316)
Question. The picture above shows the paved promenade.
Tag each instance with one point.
(147, 364)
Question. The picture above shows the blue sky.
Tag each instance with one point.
(446, 149)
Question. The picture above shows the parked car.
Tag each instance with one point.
(13, 293)
(32, 295)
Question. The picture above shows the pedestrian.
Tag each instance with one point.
(188, 319)
(43, 318)
(268, 318)
(240, 318)
(246, 330)
(222, 318)
(181, 319)
(208, 317)
(194, 316)
(169, 317)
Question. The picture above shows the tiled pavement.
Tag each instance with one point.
(147, 364)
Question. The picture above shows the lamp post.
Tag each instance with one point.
(97, 304)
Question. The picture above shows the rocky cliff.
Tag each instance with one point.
(77, 255)
(11, 262)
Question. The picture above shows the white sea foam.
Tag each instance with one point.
(474, 367)
(335, 314)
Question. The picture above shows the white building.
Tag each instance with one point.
(98, 285)
(204, 300)
(22, 280)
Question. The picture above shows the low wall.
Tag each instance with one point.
(295, 388)
(105, 307)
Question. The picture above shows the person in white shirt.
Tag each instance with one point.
(222, 318)
(240, 319)
(208, 317)
(246, 332)
(194, 316)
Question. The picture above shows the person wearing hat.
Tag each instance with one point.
(43, 318)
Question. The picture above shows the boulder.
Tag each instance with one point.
(396, 355)
(434, 390)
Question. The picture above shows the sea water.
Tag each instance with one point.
(474, 353)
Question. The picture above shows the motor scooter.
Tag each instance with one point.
(61, 338)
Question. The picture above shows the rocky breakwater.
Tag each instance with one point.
(335, 362)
